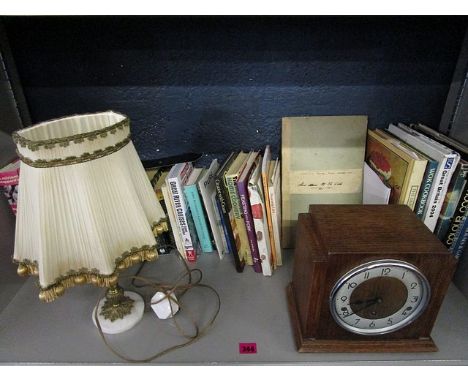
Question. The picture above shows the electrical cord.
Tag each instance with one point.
(179, 288)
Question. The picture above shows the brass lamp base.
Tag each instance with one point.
(116, 305)
(118, 311)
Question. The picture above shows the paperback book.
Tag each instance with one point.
(259, 215)
(237, 223)
(193, 199)
(266, 184)
(447, 161)
(274, 190)
(227, 214)
(242, 188)
(207, 188)
(175, 181)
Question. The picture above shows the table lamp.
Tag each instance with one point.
(86, 211)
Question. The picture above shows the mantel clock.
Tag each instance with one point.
(366, 278)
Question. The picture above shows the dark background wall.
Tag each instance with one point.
(213, 85)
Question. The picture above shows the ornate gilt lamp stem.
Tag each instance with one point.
(117, 305)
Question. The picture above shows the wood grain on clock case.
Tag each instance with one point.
(331, 240)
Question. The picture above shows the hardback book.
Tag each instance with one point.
(274, 190)
(193, 198)
(397, 165)
(322, 163)
(175, 181)
(448, 160)
(242, 184)
(9, 180)
(259, 214)
(452, 197)
(227, 215)
(238, 224)
(265, 165)
(207, 189)
(170, 212)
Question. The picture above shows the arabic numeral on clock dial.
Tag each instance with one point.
(352, 285)
(385, 271)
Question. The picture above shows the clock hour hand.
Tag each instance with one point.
(368, 303)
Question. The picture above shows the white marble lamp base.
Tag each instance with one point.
(123, 324)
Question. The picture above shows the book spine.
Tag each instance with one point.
(257, 206)
(457, 218)
(244, 248)
(193, 198)
(249, 226)
(181, 218)
(439, 189)
(275, 206)
(224, 203)
(226, 246)
(172, 221)
(269, 218)
(452, 197)
(426, 186)
(413, 185)
(459, 243)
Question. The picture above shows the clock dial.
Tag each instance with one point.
(379, 297)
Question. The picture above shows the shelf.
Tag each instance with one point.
(253, 309)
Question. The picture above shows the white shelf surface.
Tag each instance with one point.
(253, 309)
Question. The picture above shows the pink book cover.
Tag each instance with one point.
(9, 179)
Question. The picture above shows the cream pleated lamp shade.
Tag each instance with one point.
(86, 208)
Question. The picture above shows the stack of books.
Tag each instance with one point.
(232, 207)
(427, 171)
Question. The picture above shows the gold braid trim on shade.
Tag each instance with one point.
(86, 157)
(65, 141)
(88, 276)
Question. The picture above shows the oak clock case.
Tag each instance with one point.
(366, 278)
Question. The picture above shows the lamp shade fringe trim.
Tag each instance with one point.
(35, 145)
(86, 157)
(88, 276)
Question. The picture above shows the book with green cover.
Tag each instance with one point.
(322, 163)
(198, 214)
